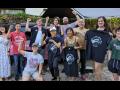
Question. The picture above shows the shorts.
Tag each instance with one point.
(41, 51)
(29, 74)
(114, 66)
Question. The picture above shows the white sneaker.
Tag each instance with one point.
(48, 69)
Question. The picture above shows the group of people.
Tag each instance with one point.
(77, 44)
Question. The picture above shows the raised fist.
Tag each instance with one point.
(28, 19)
(47, 18)
(11, 27)
(74, 12)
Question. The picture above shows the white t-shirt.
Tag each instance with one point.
(32, 61)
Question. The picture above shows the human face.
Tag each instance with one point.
(39, 22)
(35, 48)
(2, 29)
(81, 23)
(65, 20)
(18, 27)
(69, 33)
(53, 33)
(101, 22)
(118, 33)
(55, 21)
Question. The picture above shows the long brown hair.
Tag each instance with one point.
(107, 27)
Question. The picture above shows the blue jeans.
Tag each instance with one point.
(16, 61)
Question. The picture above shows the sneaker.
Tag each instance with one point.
(83, 77)
(48, 69)
(16, 77)
(54, 79)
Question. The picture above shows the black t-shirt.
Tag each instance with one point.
(114, 36)
(53, 51)
(34, 31)
(70, 57)
(97, 42)
(58, 30)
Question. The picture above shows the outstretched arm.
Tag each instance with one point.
(47, 18)
(77, 17)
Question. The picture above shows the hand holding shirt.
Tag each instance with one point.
(97, 42)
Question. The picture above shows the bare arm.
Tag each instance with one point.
(65, 43)
(19, 48)
(27, 29)
(79, 42)
(61, 30)
(8, 33)
(47, 18)
(43, 42)
(40, 69)
(77, 17)
(109, 55)
(57, 44)
(25, 45)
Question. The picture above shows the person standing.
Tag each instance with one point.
(70, 57)
(16, 36)
(54, 44)
(56, 23)
(97, 41)
(80, 33)
(36, 35)
(66, 25)
(114, 56)
(5, 68)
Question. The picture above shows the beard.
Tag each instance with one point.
(65, 23)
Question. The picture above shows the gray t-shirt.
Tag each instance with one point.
(33, 61)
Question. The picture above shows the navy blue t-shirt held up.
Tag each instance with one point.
(97, 42)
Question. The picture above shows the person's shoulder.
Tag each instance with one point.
(58, 37)
(77, 28)
(114, 40)
(39, 56)
(12, 32)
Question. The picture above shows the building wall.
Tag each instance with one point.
(34, 11)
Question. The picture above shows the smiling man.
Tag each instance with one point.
(80, 32)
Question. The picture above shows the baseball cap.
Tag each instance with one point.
(34, 44)
(52, 28)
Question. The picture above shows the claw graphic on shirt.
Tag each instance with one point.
(70, 58)
(17, 40)
(53, 48)
(33, 62)
(96, 41)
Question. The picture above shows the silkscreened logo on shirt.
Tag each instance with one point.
(53, 48)
(17, 40)
(96, 41)
(70, 58)
(117, 46)
(33, 62)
